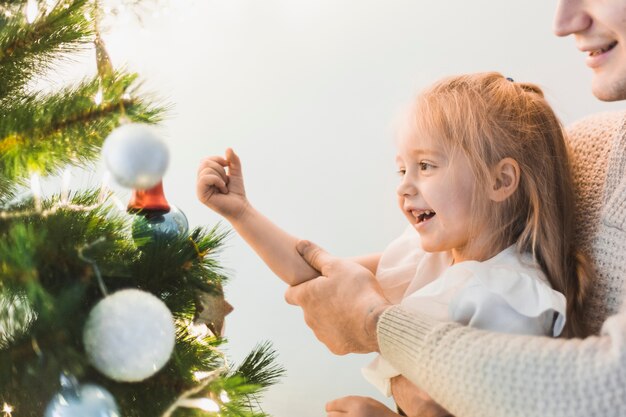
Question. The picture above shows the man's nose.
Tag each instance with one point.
(571, 17)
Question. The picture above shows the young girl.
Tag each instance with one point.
(486, 188)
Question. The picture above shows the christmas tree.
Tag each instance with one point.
(103, 312)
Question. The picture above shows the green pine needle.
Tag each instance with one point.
(29, 49)
(44, 133)
(260, 368)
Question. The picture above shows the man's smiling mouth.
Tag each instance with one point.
(600, 51)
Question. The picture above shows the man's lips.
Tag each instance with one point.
(598, 50)
(598, 55)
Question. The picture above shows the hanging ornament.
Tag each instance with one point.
(136, 156)
(129, 335)
(156, 219)
(77, 400)
(151, 200)
(103, 61)
(212, 309)
(161, 227)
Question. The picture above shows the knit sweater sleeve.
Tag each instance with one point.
(474, 373)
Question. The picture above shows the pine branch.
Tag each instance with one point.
(194, 354)
(18, 248)
(16, 316)
(177, 268)
(259, 367)
(46, 132)
(7, 189)
(29, 49)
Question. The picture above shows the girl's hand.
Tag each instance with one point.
(413, 401)
(354, 406)
(221, 191)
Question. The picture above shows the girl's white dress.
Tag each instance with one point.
(507, 293)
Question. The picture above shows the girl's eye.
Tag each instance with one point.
(401, 172)
(424, 166)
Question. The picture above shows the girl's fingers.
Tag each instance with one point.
(212, 160)
(212, 167)
(211, 180)
(234, 163)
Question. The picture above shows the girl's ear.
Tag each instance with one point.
(505, 177)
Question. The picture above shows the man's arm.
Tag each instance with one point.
(354, 287)
(470, 372)
(473, 372)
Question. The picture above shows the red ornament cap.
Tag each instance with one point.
(151, 200)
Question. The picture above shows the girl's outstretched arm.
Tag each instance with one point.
(220, 187)
(356, 406)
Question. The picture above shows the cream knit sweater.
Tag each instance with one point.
(474, 373)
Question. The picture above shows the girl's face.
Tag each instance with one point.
(435, 194)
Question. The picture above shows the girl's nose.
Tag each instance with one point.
(571, 17)
(406, 188)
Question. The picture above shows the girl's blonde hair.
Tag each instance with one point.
(489, 118)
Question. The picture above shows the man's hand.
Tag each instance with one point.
(354, 406)
(343, 305)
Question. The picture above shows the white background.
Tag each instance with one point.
(307, 91)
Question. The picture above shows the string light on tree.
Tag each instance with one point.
(204, 404)
(32, 11)
(7, 409)
(35, 186)
(97, 99)
(224, 397)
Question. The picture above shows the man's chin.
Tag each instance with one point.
(609, 88)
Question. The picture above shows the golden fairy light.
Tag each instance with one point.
(98, 97)
(224, 397)
(7, 409)
(35, 186)
(204, 404)
(32, 10)
(201, 375)
(65, 186)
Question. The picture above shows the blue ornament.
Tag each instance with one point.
(159, 226)
(86, 400)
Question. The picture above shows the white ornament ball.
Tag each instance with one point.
(85, 401)
(129, 335)
(136, 156)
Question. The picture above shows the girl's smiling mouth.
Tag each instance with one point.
(422, 215)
